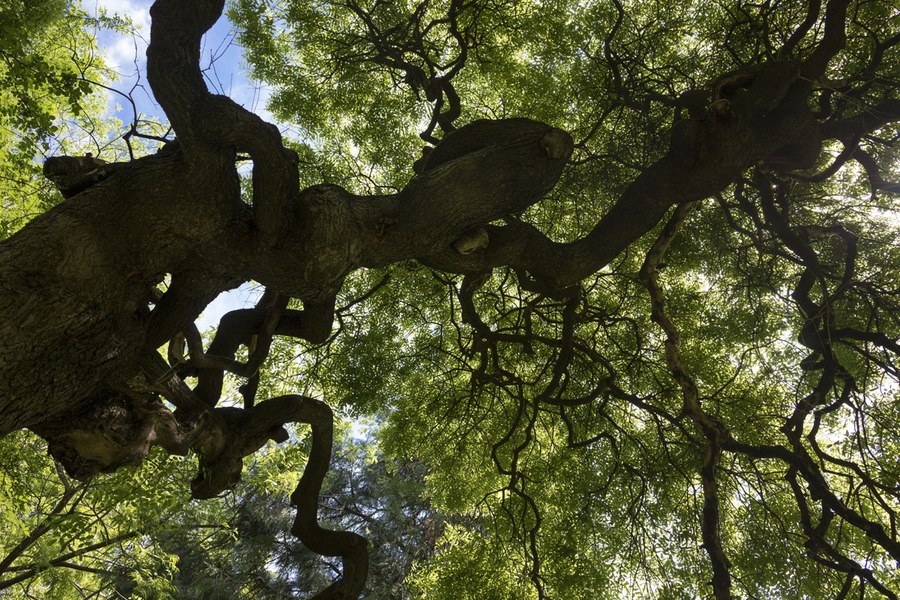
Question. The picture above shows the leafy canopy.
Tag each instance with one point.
(714, 411)
(754, 336)
(50, 100)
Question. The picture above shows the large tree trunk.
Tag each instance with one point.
(76, 282)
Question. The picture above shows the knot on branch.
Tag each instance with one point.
(116, 431)
(230, 434)
(73, 174)
(474, 239)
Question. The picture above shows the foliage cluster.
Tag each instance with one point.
(720, 403)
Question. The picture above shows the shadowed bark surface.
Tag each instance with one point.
(84, 314)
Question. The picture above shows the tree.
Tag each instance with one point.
(104, 540)
(652, 345)
(255, 557)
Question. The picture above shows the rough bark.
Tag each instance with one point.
(83, 317)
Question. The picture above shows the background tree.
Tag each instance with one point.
(256, 558)
(64, 538)
(654, 353)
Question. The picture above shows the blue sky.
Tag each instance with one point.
(225, 70)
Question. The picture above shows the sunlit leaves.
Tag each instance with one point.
(606, 452)
(559, 431)
(48, 103)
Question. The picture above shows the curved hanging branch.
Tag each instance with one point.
(241, 432)
(350, 547)
(714, 431)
